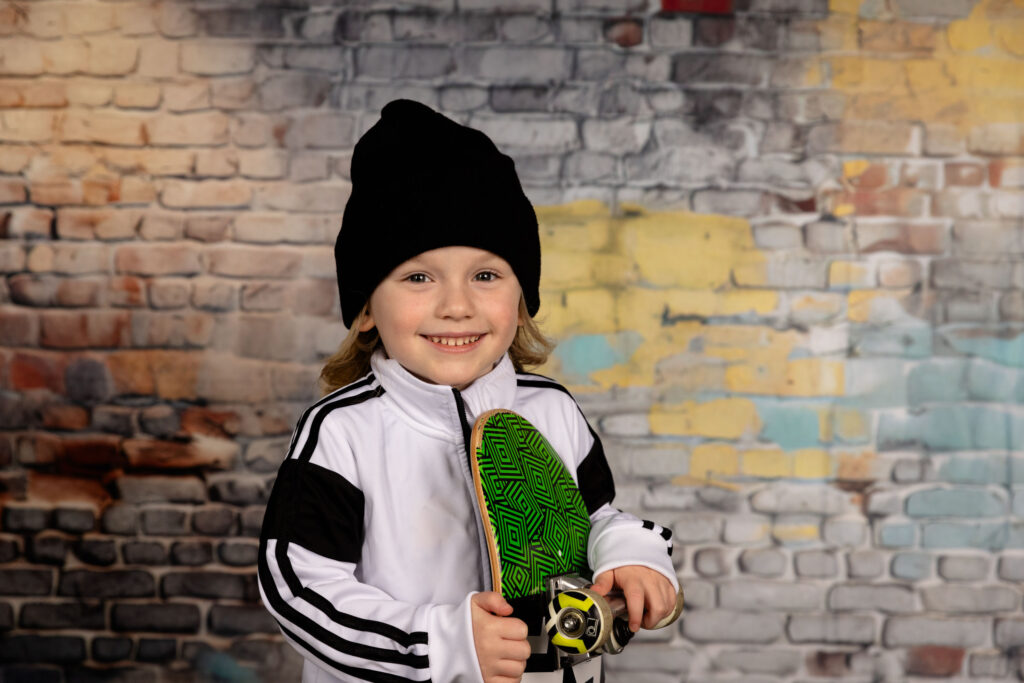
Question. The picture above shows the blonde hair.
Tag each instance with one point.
(351, 361)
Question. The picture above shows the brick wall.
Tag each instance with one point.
(782, 256)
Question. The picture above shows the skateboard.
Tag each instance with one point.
(537, 527)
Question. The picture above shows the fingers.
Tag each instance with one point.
(491, 601)
(603, 582)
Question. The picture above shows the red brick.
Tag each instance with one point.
(37, 371)
(90, 453)
(101, 189)
(30, 222)
(59, 490)
(38, 448)
(126, 291)
(56, 191)
(12, 191)
(208, 228)
(907, 238)
(892, 202)
(65, 417)
(1004, 173)
(209, 194)
(266, 262)
(79, 292)
(132, 373)
(201, 451)
(176, 373)
(226, 379)
(964, 174)
(874, 177)
(171, 330)
(934, 660)
(221, 424)
(33, 290)
(157, 259)
(80, 329)
(92, 224)
(18, 326)
(624, 33)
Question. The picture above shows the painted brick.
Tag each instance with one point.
(921, 630)
(955, 503)
(968, 599)
(833, 629)
(985, 536)
(763, 596)
(885, 598)
(911, 566)
(733, 627)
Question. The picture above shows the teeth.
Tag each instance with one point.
(453, 341)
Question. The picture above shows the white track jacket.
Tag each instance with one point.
(372, 543)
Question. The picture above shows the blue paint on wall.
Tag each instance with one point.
(1003, 345)
(583, 354)
(790, 425)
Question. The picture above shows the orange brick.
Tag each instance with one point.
(79, 292)
(18, 327)
(56, 490)
(221, 424)
(935, 660)
(204, 452)
(90, 453)
(132, 373)
(37, 371)
(127, 291)
(79, 329)
(157, 259)
(65, 417)
(12, 191)
(892, 202)
(964, 174)
(1004, 173)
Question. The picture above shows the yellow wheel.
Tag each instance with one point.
(579, 621)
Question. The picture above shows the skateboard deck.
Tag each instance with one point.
(535, 520)
(537, 527)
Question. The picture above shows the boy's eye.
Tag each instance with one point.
(487, 276)
(417, 277)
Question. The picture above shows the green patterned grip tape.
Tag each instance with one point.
(538, 520)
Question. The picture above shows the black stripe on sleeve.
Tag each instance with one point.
(648, 524)
(359, 384)
(595, 477)
(361, 674)
(316, 508)
(281, 606)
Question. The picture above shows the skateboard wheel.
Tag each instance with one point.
(579, 621)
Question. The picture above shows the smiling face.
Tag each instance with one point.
(447, 315)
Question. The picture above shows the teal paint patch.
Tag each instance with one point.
(944, 428)
(958, 502)
(911, 566)
(791, 426)
(900, 340)
(990, 429)
(874, 383)
(583, 354)
(987, 381)
(1003, 345)
(974, 469)
(897, 535)
(986, 536)
(937, 381)
(222, 667)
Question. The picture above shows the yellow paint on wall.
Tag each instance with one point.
(724, 418)
(578, 311)
(812, 463)
(851, 424)
(967, 75)
(791, 533)
(843, 274)
(711, 460)
(680, 249)
(767, 464)
(799, 377)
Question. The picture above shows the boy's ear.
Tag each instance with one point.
(367, 324)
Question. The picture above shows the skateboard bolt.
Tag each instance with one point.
(571, 622)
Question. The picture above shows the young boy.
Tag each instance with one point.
(373, 558)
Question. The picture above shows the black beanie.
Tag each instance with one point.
(421, 181)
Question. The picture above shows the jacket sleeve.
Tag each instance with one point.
(617, 538)
(310, 547)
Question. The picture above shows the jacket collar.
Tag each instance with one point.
(431, 408)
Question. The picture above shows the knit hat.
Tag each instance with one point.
(421, 181)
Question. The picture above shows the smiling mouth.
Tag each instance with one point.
(454, 341)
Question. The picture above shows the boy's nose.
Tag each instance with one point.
(455, 302)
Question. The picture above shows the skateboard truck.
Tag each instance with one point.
(581, 623)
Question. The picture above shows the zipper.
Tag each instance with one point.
(467, 439)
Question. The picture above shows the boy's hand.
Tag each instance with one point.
(500, 641)
(649, 595)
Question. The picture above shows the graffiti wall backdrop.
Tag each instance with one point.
(783, 250)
